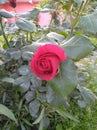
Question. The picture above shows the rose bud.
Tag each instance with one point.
(12, 3)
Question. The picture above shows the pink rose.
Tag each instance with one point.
(12, 3)
(44, 19)
(46, 60)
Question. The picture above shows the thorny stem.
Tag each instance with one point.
(80, 11)
(84, 5)
(30, 36)
(27, 36)
(70, 10)
(4, 35)
(77, 18)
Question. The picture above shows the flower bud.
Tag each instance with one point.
(12, 3)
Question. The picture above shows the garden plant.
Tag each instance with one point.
(48, 73)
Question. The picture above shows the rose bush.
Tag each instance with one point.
(46, 60)
(34, 103)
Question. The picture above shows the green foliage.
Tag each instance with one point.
(86, 116)
(64, 114)
(5, 14)
(59, 127)
(78, 47)
(89, 22)
(38, 104)
(88, 96)
(5, 111)
(40, 117)
(78, 1)
(3, 1)
(26, 25)
(66, 81)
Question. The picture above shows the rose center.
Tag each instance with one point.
(43, 65)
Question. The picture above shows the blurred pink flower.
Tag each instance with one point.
(23, 6)
(44, 19)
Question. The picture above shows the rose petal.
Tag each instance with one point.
(44, 65)
(50, 72)
(46, 75)
(52, 49)
(55, 66)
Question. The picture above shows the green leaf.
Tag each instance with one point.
(25, 86)
(77, 47)
(56, 36)
(88, 96)
(46, 122)
(35, 45)
(22, 79)
(7, 79)
(27, 122)
(22, 126)
(49, 94)
(81, 103)
(45, 10)
(3, 1)
(24, 15)
(34, 13)
(41, 125)
(28, 50)
(34, 107)
(89, 23)
(6, 14)
(59, 127)
(24, 70)
(30, 14)
(36, 82)
(78, 1)
(26, 55)
(47, 40)
(65, 114)
(1, 32)
(65, 82)
(53, 98)
(40, 117)
(15, 54)
(26, 25)
(30, 95)
(5, 111)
